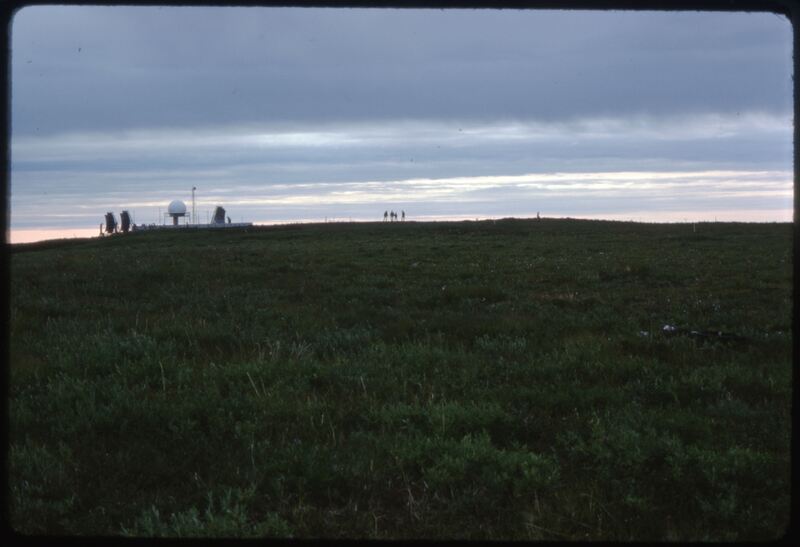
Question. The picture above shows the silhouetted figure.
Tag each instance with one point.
(385, 216)
(537, 215)
(402, 215)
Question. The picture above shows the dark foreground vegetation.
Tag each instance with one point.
(506, 379)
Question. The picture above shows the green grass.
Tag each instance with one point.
(475, 380)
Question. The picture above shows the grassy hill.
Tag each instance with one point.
(507, 380)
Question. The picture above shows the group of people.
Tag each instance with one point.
(391, 215)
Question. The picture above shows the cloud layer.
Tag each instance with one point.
(96, 67)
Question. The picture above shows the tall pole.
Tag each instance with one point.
(194, 218)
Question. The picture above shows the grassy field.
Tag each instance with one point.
(506, 380)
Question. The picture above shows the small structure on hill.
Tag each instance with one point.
(176, 210)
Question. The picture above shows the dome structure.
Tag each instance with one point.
(177, 208)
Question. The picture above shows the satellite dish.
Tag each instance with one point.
(176, 209)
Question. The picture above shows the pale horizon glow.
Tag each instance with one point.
(606, 195)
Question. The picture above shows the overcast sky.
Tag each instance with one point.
(292, 114)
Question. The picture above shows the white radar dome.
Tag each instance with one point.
(177, 207)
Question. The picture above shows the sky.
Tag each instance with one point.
(312, 114)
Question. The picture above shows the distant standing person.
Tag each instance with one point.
(402, 215)
(385, 216)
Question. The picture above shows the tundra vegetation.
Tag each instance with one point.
(467, 380)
